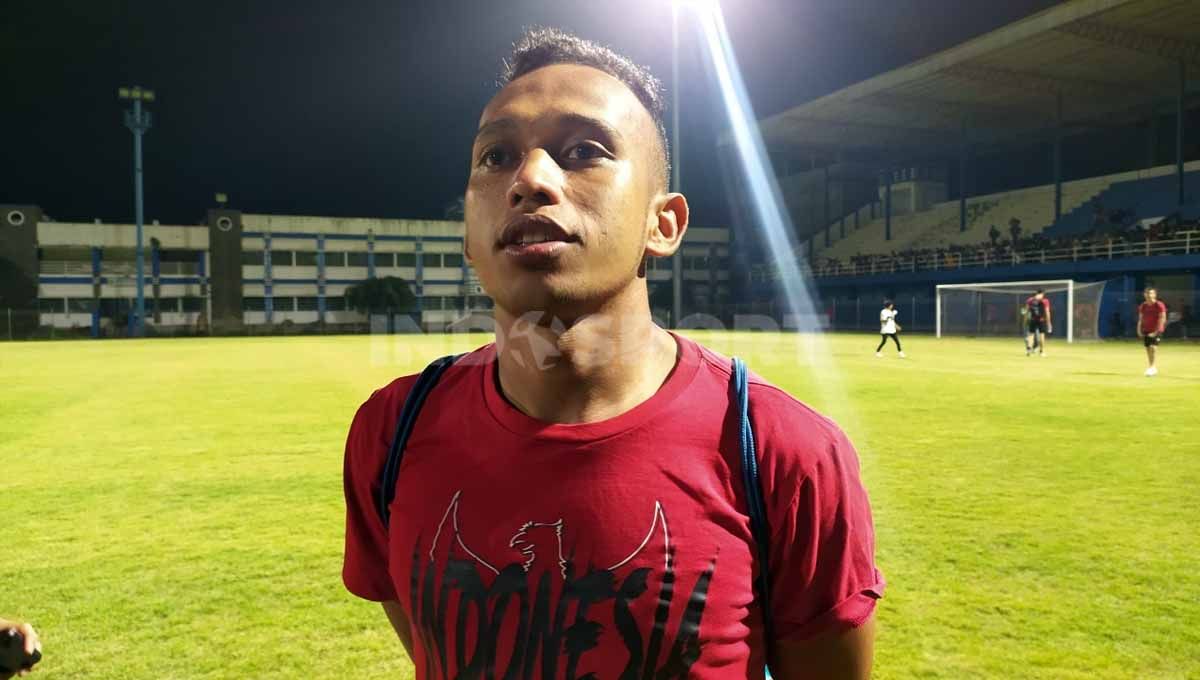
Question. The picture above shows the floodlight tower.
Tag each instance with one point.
(138, 121)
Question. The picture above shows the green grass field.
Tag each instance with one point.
(173, 508)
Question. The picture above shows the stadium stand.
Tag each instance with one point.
(1123, 207)
(1095, 101)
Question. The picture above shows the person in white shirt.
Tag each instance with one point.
(888, 328)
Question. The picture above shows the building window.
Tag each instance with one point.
(452, 303)
(168, 305)
(252, 257)
(452, 260)
(283, 304)
(80, 305)
(306, 304)
(335, 303)
(254, 304)
(193, 304)
(109, 306)
(306, 258)
(335, 259)
(52, 305)
(431, 259)
(281, 258)
(406, 259)
(385, 260)
(356, 259)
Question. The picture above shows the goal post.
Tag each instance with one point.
(996, 308)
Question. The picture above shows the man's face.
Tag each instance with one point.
(1151, 295)
(560, 200)
(1039, 296)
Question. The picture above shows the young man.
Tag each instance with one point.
(1152, 321)
(888, 328)
(1037, 323)
(570, 503)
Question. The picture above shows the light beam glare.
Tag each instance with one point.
(812, 350)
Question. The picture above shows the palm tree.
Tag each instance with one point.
(386, 295)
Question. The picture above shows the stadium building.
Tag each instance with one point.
(1075, 130)
(238, 272)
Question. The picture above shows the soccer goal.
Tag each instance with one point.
(997, 308)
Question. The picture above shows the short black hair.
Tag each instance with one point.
(1150, 288)
(887, 303)
(541, 46)
(1040, 290)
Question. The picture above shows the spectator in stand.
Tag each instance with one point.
(1098, 220)
(1094, 244)
(994, 235)
(1014, 230)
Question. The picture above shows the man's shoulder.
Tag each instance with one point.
(779, 419)
(376, 416)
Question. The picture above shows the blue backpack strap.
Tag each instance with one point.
(759, 529)
(404, 425)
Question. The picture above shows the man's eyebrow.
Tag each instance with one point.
(495, 126)
(587, 121)
(568, 119)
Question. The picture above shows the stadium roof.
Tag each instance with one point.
(1110, 60)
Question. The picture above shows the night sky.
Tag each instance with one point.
(367, 107)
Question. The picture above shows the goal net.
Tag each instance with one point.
(998, 309)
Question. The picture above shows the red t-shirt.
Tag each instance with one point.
(1039, 310)
(1151, 315)
(609, 547)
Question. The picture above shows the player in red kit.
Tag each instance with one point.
(1152, 321)
(1037, 322)
(570, 503)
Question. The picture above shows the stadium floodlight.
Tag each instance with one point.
(994, 308)
(135, 94)
(698, 5)
(138, 121)
(769, 214)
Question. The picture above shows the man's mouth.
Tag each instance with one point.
(535, 241)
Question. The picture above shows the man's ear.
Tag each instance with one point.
(467, 246)
(667, 225)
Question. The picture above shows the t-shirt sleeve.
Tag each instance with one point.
(822, 555)
(365, 565)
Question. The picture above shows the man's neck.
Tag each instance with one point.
(590, 369)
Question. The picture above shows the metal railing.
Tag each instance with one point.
(65, 268)
(1183, 243)
(113, 268)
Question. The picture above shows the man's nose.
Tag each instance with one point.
(538, 181)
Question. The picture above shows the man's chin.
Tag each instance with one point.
(529, 297)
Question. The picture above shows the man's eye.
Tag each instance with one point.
(493, 158)
(585, 151)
